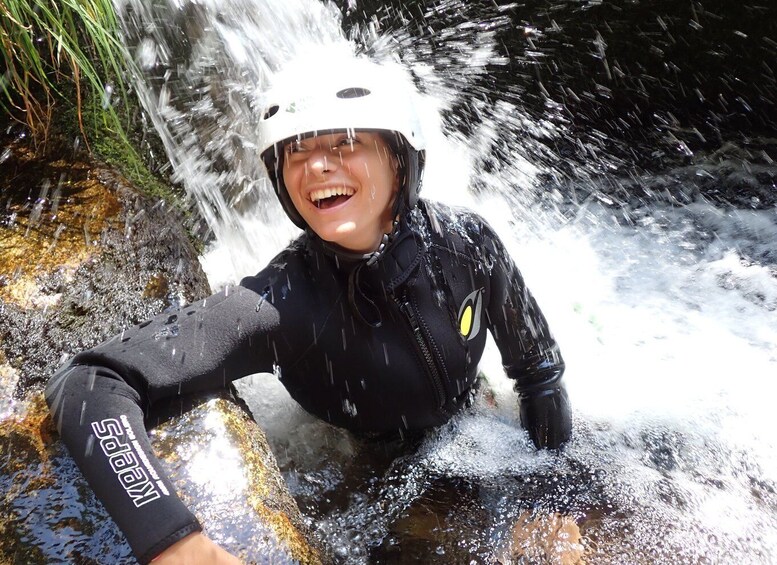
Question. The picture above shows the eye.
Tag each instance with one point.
(348, 141)
(293, 147)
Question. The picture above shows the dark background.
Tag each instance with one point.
(638, 85)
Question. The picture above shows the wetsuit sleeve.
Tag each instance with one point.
(530, 354)
(99, 398)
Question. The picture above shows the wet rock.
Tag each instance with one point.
(82, 255)
(553, 539)
(518, 519)
(222, 465)
(47, 512)
(448, 524)
(218, 459)
(454, 522)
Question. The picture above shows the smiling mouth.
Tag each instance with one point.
(330, 197)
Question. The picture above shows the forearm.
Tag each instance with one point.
(98, 402)
(101, 422)
(530, 354)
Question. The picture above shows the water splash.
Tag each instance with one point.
(201, 68)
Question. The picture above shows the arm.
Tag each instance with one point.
(98, 401)
(530, 355)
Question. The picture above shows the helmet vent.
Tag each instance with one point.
(271, 111)
(353, 92)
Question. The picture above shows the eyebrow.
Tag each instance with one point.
(333, 138)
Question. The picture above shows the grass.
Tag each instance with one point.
(51, 48)
(60, 56)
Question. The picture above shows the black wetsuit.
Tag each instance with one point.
(392, 345)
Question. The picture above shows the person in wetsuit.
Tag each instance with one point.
(375, 317)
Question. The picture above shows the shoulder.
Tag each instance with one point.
(285, 264)
(456, 224)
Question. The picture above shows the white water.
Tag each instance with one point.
(667, 325)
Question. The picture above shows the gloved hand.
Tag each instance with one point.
(547, 417)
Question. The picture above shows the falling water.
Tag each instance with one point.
(662, 297)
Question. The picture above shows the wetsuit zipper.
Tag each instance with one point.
(423, 347)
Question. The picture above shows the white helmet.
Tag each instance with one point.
(332, 95)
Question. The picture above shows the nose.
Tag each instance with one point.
(321, 160)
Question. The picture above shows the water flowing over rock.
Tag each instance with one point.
(217, 458)
(223, 467)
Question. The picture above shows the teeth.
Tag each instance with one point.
(317, 195)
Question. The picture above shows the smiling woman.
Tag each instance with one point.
(343, 185)
(397, 290)
(354, 133)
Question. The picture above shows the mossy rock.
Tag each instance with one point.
(82, 255)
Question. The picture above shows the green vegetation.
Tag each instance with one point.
(63, 59)
(51, 49)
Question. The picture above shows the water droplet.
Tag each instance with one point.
(146, 54)
(83, 413)
(349, 408)
(168, 332)
(107, 95)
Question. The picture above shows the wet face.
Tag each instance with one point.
(343, 185)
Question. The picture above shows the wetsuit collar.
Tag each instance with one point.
(381, 271)
(397, 251)
(345, 257)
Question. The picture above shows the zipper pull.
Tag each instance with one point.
(407, 310)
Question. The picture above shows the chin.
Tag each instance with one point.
(342, 235)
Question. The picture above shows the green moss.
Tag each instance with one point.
(119, 151)
(57, 86)
(109, 141)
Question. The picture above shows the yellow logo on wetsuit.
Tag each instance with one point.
(470, 314)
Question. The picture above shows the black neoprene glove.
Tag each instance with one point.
(547, 417)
